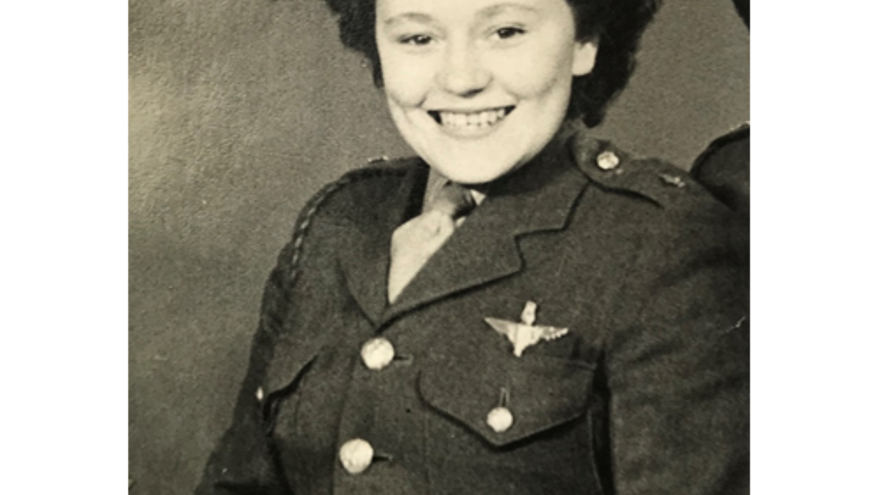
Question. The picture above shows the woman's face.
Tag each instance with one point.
(479, 87)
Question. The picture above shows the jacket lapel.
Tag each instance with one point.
(538, 197)
(366, 265)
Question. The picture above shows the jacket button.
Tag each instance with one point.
(500, 419)
(607, 160)
(356, 455)
(377, 353)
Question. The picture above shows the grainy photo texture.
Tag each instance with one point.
(439, 247)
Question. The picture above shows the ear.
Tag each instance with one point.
(584, 57)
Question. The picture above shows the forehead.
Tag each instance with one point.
(462, 9)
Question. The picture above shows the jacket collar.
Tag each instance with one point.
(366, 265)
(537, 197)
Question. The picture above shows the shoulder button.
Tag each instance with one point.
(607, 160)
(377, 160)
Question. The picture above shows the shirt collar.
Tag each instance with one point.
(436, 181)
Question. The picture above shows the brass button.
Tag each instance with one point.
(607, 160)
(356, 455)
(377, 353)
(500, 419)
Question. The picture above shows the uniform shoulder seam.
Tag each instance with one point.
(376, 168)
(741, 132)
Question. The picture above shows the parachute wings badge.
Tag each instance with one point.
(525, 333)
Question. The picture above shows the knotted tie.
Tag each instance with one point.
(414, 242)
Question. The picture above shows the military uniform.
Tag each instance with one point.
(643, 388)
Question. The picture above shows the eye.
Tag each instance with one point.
(416, 39)
(509, 32)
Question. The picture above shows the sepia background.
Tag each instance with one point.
(239, 111)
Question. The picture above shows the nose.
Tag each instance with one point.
(462, 72)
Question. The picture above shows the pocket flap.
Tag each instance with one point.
(540, 392)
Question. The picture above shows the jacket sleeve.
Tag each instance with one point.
(723, 169)
(244, 461)
(678, 372)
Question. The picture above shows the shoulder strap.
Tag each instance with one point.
(605, 164)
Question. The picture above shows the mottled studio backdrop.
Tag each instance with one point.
(239, 111)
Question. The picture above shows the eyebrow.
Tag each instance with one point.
(410, 16)
(486, 12)
(498, 8)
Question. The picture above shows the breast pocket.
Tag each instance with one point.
(508, 400)
(509, 425)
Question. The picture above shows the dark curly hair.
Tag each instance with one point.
(746, 9)
(617, 24)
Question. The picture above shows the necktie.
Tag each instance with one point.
(414, 242)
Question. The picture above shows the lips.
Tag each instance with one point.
(470, 120)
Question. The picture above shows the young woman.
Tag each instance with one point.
(520, 309)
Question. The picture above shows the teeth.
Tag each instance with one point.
(475, 119)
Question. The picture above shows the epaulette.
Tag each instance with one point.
(740, 133)
(614, 169)
(376, 167)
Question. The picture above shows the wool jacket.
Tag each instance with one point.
(646, 391)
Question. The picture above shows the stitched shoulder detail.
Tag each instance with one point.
(377, 167)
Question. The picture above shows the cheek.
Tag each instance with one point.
(406, 79)
(536, 71)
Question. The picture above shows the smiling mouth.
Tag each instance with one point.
(474, 120)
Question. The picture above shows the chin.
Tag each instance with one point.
(473, 177)
(470, 168)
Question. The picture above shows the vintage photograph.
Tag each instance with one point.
(439, 247)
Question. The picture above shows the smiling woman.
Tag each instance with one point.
(520, 309)
(478, 88)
